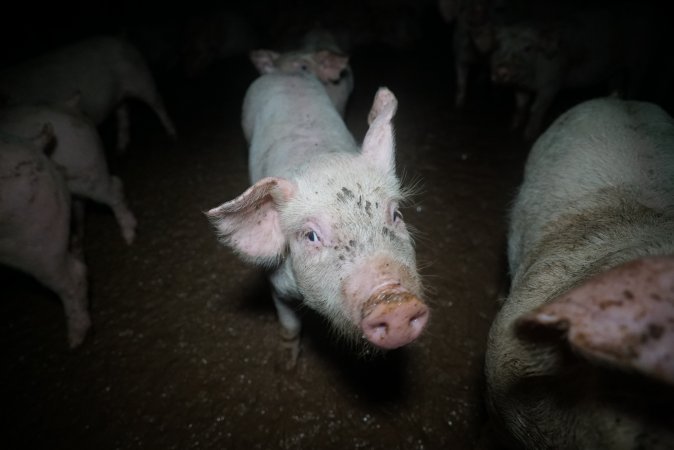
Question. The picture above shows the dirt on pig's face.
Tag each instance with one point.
(347, 238)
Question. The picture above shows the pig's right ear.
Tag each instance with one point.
(250, 223)
(264, 60)
(379, 145)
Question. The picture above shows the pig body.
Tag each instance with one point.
(323, 216)
(610, 46)
(79, 151)
(104, 70)
(320, 55)
(581, 354)
(35, 226)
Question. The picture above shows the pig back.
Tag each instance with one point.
(95, 67)
(288, 119)
(603, 154)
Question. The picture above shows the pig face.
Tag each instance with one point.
(326, 65)
(340, 232)
(516, 54)
(348, 244)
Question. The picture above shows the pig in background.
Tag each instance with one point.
(214, 36)
(35, 225)
(581, 353)
(77, 149)
(323, 215)
(105, 70)
(320, 55)
(613, 45)
(472, 37)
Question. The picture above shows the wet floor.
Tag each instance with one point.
(184, 349)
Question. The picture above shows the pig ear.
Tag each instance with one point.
(379, 145)
(623, 317)
(330, 65)
(264, 60)
(73, 102)
(43, 140)
(250, 223)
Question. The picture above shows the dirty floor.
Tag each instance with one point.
(183, 352)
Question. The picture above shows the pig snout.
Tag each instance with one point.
(393, 318)
(501, 74)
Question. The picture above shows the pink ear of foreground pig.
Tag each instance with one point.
(243, 221)
(622, 317)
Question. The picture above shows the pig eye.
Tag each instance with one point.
(312, 236)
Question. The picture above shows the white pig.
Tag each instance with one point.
(319, 55)
(79, 151)
(106, 70)
(35, 226)
(581, 354)
(324, 217)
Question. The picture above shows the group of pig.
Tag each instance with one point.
(52, 159)
(539, 49)
(581, 352)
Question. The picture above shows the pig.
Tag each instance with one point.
(105, 70)
(79, 151)
(320, 55)
(35, 225)
(592, 47)
(213, 36)
(323, 217)
(581, 353)
(472, 39)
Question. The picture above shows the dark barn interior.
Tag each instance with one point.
(183, 352)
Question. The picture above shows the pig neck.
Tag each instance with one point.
(295, 123)
(609, 236)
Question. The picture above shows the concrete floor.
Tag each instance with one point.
(184, 349)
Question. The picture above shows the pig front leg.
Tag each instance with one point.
(544, 98)
(522, 100)
(290, 331)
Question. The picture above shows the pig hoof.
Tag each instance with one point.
(78, 331)
(290, 352)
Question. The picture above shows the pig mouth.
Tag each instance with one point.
(393, 317)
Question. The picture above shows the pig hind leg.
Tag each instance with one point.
(146, 91)
(66, 276)
(122, 115)
(111, 194)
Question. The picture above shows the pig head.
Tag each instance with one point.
(333, 236)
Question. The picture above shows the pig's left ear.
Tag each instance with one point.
(264, 60)
(622, 317)
(250, 223)
(379, 144)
